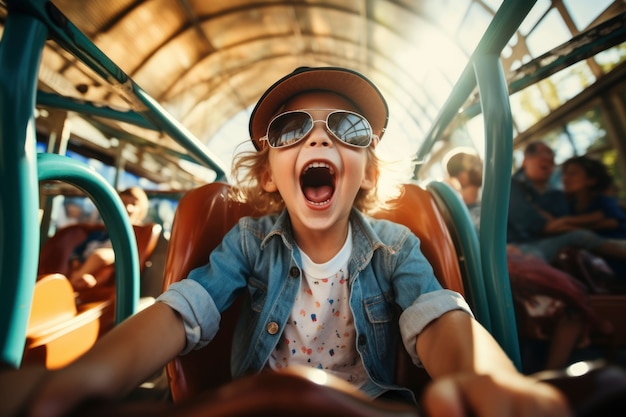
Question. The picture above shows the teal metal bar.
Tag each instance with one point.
(20, 54)
(599, 38)
(85, 107)
(494, 98)
(582, 46)
(470, 250)
(497, 162)
(62, 31)
(503, 26)
(113, 212)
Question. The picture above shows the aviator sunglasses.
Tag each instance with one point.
(291, 127)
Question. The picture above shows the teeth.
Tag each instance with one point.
(320, 165)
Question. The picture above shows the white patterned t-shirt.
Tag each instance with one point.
(320, 332)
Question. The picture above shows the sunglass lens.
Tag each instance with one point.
(350, 128)
(288, 128)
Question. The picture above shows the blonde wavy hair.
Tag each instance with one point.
(249, 167)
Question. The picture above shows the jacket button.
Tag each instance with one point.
(294, 272)
(272, 327)
(362, 339)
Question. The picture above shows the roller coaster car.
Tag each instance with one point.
(64, 324)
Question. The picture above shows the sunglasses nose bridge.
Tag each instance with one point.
(319, 132)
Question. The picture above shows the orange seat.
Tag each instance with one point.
(62, 324)
(202, 218)
(58, 332)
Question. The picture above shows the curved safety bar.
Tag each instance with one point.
(469, 249)
(119, 228)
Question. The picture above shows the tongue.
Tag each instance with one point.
(318, 194)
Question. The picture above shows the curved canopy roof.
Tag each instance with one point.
(207, 62)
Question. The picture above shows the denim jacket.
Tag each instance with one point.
(387, 271)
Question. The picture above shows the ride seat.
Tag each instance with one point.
(64, 324)
(58, 331)
(203, 217)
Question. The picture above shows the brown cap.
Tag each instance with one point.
(368, 100)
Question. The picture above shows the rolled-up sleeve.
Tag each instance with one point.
(197, 309)
(426, 308)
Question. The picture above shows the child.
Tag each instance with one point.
(466, 176)
(586, 183)
(96, 252)
(315, 131)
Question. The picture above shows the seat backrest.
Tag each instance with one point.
(58, 332)
(147, 236)
(53, 302)
(205, 214)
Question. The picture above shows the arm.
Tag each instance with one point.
(602, 214)
(471, 371)
(612, 216)
(606, 224)
(117, 363)
(592, 221)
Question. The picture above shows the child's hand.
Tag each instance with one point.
(486, 396)
(16, 387)
(83, 282)
(35, 391)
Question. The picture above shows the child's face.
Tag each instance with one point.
(540, 165)
(318, 177)
(132, 207)
(575, 178)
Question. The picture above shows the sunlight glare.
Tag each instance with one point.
(578, 369)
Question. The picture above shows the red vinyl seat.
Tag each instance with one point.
(202, 218)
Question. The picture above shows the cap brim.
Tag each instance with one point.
(350, 84)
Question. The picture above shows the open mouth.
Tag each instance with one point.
(318, 182)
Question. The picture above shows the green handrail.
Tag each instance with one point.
(470, 250)
(483, 72)
(113, 212)
(498, 159)
(19, 196)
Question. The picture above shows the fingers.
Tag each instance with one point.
(16, 387)
(31, 392)
(61, 391)
(444, 399)
(484, 396)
